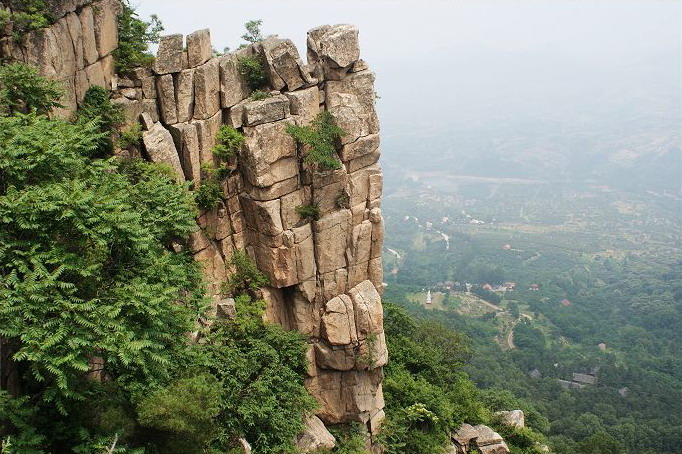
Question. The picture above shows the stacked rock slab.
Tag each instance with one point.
(76, 50)
(325, 275)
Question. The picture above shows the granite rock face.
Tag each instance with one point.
(325, 274)
(76, 50)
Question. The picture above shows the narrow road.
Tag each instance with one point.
(510, 340)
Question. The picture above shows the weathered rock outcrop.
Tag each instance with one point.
(325, 275)
(76, 50)
(481, 437)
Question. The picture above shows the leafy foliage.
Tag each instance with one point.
(23, 90)
(253, 33)
(320, 136)
(134, 37)
(246, 277)
(427, 394)
(350, 439)
(253, 70)
(82, 245)
(310, 212)
(228, 142)
(261, 367)
(185, 412)
(209, 194)
(130, 137)
(259, 95)
(28, 15)
(109, 116)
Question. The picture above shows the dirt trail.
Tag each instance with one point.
(510, 340)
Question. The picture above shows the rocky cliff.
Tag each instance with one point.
(325, 274)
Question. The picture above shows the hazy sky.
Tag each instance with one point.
(448, 67)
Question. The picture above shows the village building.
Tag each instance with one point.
(534, 287)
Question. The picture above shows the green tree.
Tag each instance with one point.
(253, 33)
(134, 38)
(23, 90)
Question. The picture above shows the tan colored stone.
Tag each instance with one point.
(372, 352)
(87, 21)
(149, 87)
(207, 130)
(166, 94)
(169, 57)
(266, 110)
(133, 110)
(160, 147)
(263, 216)
(306, 267)
(278, 263)
(361, 147)
(334, 357)
(290, 202)
(207, 90)
(213, 266)
(363, 161)
(315, 437)
(76, 34)
(331, 239)
(233, 87)
(198, 241)
(369, 318)
(360, 184)
(346, 396)
(376, 274)
(276, 309)
(333, 46)
(283, 64)
(106, 26)
(305, 313)
(275, 191)
(361, 243)
(269, 154)
(357, 272)
(377, 233)
(95, 75)
(376, 185)
(304, 104)
(199, 47)
(351, 101)
(338, 321)
(190, 152)
(184, 96)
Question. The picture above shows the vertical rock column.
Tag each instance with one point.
(325, 275)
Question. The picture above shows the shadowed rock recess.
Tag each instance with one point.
(325, 275)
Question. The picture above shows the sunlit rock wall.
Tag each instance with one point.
(325, 275)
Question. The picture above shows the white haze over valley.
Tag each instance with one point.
(570, 87)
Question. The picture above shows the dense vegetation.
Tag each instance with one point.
(95, 304)
(608, 301)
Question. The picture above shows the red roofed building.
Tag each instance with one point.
(565, 302)
(506, 247)
(534, 287)
(487, 287)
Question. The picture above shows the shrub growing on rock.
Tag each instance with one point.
(320, 136)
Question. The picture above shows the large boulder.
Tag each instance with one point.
(170, 56)
(160, 147)
(199, 47)
(315, 437)
(334, 47)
